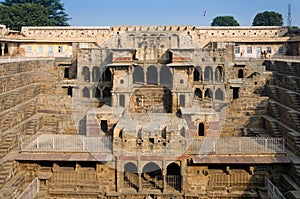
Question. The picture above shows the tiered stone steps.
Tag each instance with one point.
(13, 187)
(8, 169)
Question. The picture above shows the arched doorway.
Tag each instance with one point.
(138, 75)
(130, 178)
(152, 176)
(6, 49)
(152, 75)
(174, 176)
(201, 129)
(241, 73)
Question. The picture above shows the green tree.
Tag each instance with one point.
(268, 18)
(27, 14)
(224, 21)
(56, 10)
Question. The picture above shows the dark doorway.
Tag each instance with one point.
(106, 93)
(122, 100)
(241, 73)
(66, 73)
(6, 49)
(197, 73)
(174, 176)
(182, 100)
(104, 126)
(219, 74)
(107, 76)
(201, 129)
(236, 93)
(70, 91)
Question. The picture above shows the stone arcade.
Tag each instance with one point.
(149, 112)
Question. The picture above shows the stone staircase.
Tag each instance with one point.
(295, 99)
(8, 169)
(13, 188)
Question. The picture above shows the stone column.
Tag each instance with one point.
(164, 173)
(145, 75)
(139, 175)
(158, 76)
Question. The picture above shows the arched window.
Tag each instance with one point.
(96, 92)
(96, 74)
(201, 129)
(131, 179)
(198, 74)
(219, 74)
(208, 94)
(86, 92)
(198, 94)
(166, 76)
(208, 73)
(241, 73)
(86, 73)
(138, 75)
(152, 176)
(152, 75)
(219, 94)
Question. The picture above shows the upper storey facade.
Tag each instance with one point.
(59, 41)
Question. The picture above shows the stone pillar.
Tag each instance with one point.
(145, 75)
(158, 76)
(139, 175)
(164, 173)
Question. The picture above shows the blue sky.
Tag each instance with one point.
(172, 12)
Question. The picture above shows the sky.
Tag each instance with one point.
(173, 12)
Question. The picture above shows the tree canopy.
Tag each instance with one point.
(224, 21)
(18, 13)
(268, 18)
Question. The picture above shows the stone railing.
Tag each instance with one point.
(66, 143)
(31, 191)
(20, 59)
(273, 191)
(285, 57)
(236, 145)
(203, 146)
